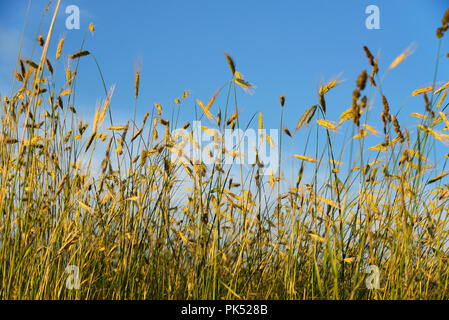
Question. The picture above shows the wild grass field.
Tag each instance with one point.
(139, 226)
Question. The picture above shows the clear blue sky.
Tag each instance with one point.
(280, 46)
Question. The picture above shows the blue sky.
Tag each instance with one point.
(283, 47)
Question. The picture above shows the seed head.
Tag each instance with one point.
(79, 54)
(361, 81)
(136, 83)
(282, 100)
(230, 62)
(369, 55)
(59, 49)
(41, 41)
(445, 19)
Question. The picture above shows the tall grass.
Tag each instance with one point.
(353, 204)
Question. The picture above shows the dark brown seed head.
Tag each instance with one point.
(385, 104)
(369, 55)
(445, 19)
(287, 132)
(79, 54)
(356, 114)
(385, 115)
(49, 66)
(31, 64)
(282, 100)
(361, 81)
(40, 40)
(323, 103)
(355, 98)
(60, 104)
(426, 100)
(397, 128)
(22, 68)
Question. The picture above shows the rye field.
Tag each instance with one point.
(119, 208)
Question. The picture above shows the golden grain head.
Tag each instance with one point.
(407, 52)
(244, 84)
(91, 28)
(145, 117)
(59, 48)
(185, 94)
(136, 83)
(18, 76)
(422, 90)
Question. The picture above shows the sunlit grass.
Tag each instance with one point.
(235, 233)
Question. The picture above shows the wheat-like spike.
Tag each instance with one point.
(79, 54)
(212, 99)
(136, 83)
(106, 105)
(407, 52)
(59, 48)
(307, 115)
(205, 110)
(231, 63)
(49, 66)
(136, 134)
(31, 63)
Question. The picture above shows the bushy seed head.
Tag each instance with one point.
(361, 81)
